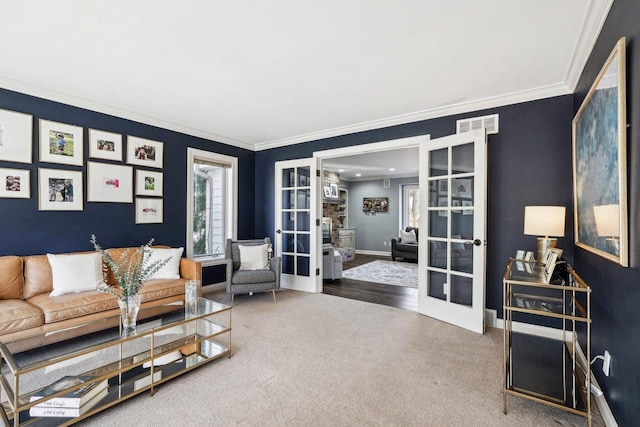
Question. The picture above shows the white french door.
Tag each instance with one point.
(452, 229)
(295, 220)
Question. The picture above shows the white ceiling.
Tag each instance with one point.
(263, 74)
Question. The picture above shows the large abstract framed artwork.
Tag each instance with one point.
(600, 163)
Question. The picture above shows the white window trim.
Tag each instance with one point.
(404, 213)
(231, 222)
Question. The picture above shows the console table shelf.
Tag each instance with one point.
(563, 300)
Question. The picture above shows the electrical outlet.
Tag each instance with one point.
(606, 364)
(384, 243)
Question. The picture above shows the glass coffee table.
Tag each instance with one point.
(102, 369)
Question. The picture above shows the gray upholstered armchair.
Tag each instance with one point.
(262, 278)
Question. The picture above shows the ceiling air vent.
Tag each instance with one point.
(490, 123)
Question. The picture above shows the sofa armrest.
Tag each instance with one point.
(190, 269)
(275, 264)
(229, 274)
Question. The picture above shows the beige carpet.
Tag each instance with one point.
(320, 360)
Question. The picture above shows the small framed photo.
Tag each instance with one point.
(462, 188)
(456, 202)
(15, 136)
(59, 190)
(148, 211)
(144, 152)
(148, 183)
(467, 204)
(327, 191)
(105, 145)
(528, 256)
(14, 183)
(109, 183)
(61, 143)
(520, 254)
(334, 190)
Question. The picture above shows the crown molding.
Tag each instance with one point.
(51, 95)
(593, 22)
(465, 107)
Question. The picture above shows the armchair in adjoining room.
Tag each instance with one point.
(250, 267)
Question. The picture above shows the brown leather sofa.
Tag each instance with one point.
(27, 309)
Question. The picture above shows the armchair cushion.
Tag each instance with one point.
(408, 236)
(243, 277)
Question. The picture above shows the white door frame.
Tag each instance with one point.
(319, 156)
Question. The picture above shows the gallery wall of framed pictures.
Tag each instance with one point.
(107, 179)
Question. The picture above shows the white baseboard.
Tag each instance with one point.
(556, 334)
(376, 253)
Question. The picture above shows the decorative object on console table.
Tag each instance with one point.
(192, 292)
(73, 399)
(600, 159)
(130, 270)
(544, 221)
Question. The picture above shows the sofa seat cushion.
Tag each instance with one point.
(162, 288)
(407, 247)
(69, 306)
(243, 277)
(18, 315)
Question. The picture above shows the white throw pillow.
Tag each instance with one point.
(408, 237)
(171, 270)
(75, 273)
(254, 257)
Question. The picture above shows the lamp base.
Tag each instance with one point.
(543, 244)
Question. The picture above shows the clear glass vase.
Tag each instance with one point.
(129, 307)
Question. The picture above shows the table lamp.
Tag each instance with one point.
(544, 221)
(607, 219)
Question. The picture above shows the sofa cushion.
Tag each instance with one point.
(161, 288)
(408, 236)
(241, 277)
(37, 276)
(18, 315)
(69, 306)
(171, 270)
(73, 273)
(11, 278)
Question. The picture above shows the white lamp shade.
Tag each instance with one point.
(544, 220)
(607, 220)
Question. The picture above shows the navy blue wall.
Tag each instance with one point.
(616, 290)
(25, 230)
(529, 163)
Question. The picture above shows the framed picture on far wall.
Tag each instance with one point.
(144, 152)
(59, 190)
(15, 136)
(61, 143)
(148, 183)
(148, 211)
(109, 183)
(14, 183)
(105, 145)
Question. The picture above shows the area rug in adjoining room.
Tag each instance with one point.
(388, 272)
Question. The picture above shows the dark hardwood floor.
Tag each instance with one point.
(377, 293)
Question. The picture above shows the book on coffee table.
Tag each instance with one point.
(73, 399)
(68, 412)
